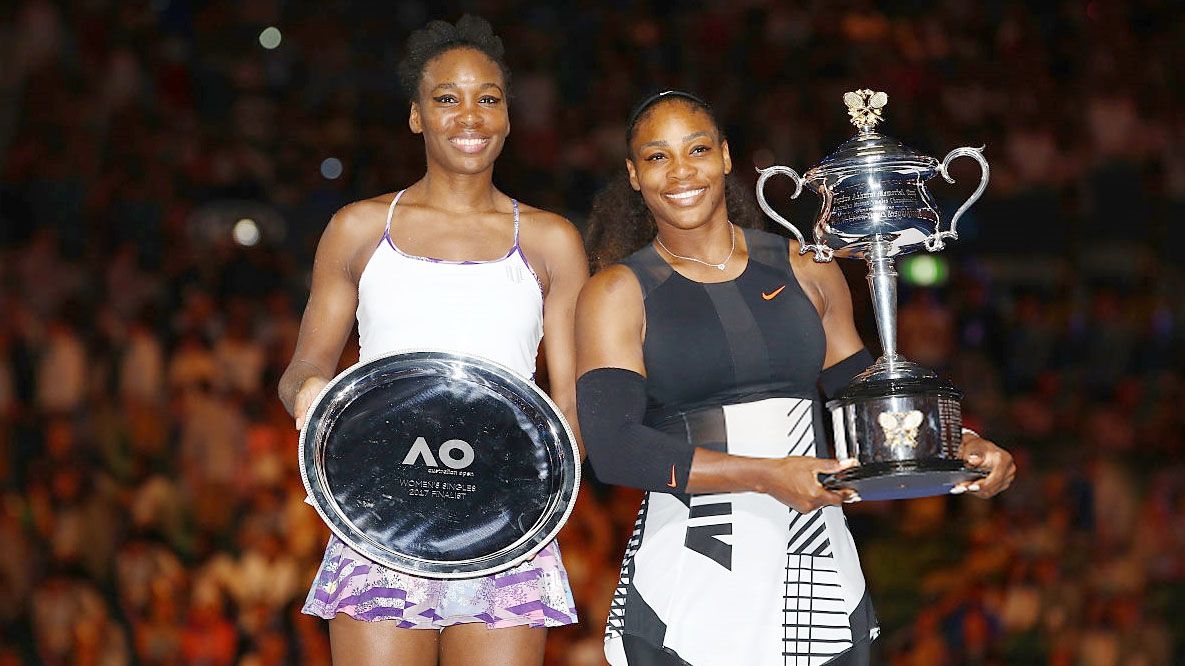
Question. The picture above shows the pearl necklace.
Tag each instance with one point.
(720, 266)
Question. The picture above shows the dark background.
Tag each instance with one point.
(151, 511)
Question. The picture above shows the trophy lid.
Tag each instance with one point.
(870, 151)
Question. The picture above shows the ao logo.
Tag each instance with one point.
(455, 454)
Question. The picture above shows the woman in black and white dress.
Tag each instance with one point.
(700, 355)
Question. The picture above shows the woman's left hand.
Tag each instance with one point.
(983, 454)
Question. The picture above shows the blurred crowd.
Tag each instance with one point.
(151, 509)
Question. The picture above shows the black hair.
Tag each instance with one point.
(620, 223)
(438, 37)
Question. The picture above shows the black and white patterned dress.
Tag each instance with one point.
(736, 578)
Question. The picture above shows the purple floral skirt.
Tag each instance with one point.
(534, 593)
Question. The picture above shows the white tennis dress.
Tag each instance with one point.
(492, 309)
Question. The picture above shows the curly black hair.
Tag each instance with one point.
(620, 223)
(430, 41)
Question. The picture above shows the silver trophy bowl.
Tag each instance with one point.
(899, 419)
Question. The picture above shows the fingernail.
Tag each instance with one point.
(852, 499)
(973, 487)
(850, 461)
(958, 490)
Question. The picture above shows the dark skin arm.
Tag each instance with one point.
(333, 298)
(553, 246)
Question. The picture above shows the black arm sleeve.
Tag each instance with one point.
(611, 403)
(832, 379)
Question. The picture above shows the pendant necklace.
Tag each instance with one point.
(720, 266)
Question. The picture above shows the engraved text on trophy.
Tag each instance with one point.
(902, 200)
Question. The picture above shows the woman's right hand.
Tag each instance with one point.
(794, 481)
(308, 392)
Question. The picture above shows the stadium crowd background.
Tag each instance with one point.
(150, 507)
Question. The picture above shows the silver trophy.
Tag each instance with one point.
(899, 419)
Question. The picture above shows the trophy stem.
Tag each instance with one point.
(882, 281)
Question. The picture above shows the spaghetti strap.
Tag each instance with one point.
(514, 202)
(391, 211)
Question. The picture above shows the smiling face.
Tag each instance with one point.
(461, 111)
(678, 162)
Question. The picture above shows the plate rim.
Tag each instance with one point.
(438, 354)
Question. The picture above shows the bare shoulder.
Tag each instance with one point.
(611, 322)
(809, 270)
(538, 215)
(351, 236)
(611, 287)
(364, 219)
(547, 226)
(822, 281)
(554, 243)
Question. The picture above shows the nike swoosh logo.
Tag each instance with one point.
(672, 483)
(773, 294)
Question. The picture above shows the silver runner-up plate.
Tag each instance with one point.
(439, 464)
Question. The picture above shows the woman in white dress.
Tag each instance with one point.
(448, 263)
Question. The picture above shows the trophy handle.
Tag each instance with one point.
(822, 252)
(935, 242)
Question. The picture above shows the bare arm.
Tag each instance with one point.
(825, 285)
(567, 271)
(610, 322)
(329, 314)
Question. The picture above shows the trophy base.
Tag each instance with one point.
(902, 479)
